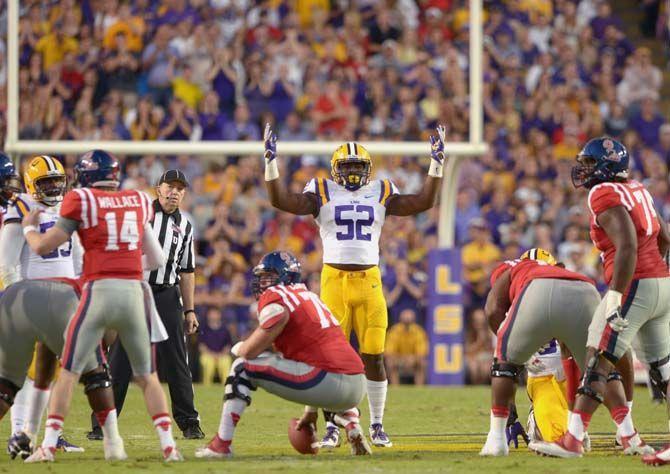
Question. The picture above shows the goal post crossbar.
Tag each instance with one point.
(456, 151)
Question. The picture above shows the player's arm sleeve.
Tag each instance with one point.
(605, 196)
(387, 190)
(11, 241)
(17, 211)
(319, 188)
(187, 260)
(153, 257)
(271, 315)
(69, 226)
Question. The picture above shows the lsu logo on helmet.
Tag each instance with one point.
(351, 166)
(540, 255)
(45, 180)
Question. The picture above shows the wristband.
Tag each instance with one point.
(613, 299)
(29, 228)
(189, 311)
(435, 169)
(271, 170)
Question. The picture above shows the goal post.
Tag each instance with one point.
(445, 320)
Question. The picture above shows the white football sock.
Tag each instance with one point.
(54, 429)
(576, 426)
(108, 421)
(163, 425)
(230, 416)
(19, 410)
(377, 399)
(37, 405)
(498, 425)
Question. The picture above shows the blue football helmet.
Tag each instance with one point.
(10, 182)
(602, 159)
(275, 268)
(98, 168)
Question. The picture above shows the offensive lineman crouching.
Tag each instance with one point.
(532, 301)
(317, 366)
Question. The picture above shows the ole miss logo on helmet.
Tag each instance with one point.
(612, 155)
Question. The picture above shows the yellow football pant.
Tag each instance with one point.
(550, 406)
(357, 301)
(210, 364)
(31, 369)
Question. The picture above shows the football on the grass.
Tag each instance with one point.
(304, 441)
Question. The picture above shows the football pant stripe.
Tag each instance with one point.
(506, 329)
(75, 325)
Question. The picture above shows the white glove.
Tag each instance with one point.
(613, 311)
(236, 348)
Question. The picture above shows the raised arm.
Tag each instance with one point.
(280, 197)
(411, 204)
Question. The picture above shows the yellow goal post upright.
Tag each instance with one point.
(445, 264)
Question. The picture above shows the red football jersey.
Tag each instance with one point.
(638, 202)
(111, 228)
(525, 271)
(312, 334)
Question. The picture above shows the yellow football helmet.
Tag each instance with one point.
(45, 180)
(540, 255)
(351, 166)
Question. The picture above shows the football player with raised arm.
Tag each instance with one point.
(114, 230)
(350, 210)
(633, 240)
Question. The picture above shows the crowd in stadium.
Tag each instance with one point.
(556, 72)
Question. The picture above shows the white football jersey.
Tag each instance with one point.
(350, 222)
(56, 264)
(546, 361)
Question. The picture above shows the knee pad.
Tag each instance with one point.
(8, 390)
(659, 374)
(237, 379)
(591, 376)
(96, 380)
(374, 341)
(614, 376)
(505, 369)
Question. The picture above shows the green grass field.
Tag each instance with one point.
(434, 430)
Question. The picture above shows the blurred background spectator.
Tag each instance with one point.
(406, 350)
(556, 73)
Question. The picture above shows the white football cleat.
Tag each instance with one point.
(566, 447)
(114, 449)
(172, 454)
(634, 444)
(495, 446)
(41, 455)
(379, 437)
(359, 445)
(331, 439)
(216, 449)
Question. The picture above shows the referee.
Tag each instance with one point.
(173, 288)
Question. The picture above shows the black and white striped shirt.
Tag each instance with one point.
(175, 235)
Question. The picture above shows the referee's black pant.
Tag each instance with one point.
(171, 358)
